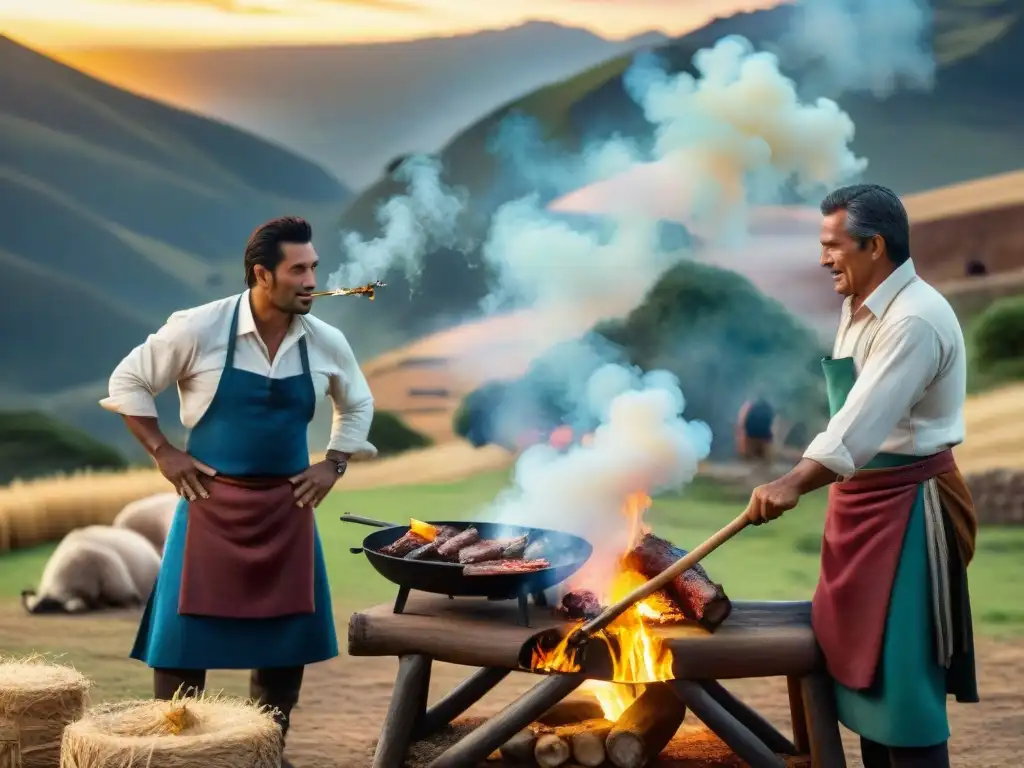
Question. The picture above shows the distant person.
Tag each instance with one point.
(976, 268)
(891, 611)
(754, 430)
(243, 583)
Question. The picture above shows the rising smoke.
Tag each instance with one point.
(875, 46)
(643, 443)
(735, 135)
(426, 217)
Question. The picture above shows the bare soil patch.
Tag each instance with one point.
(344, 700)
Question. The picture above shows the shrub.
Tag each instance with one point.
(997, 337)
(34, 445)
(392, 435)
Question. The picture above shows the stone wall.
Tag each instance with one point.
(998, 496)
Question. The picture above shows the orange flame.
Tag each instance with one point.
(638, 655)
(426, 530)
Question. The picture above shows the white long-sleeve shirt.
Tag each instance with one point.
(910, 391)
(191, 349)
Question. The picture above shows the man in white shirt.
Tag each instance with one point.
(243, 584)
(891, 611)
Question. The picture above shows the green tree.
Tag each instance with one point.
(391, 435)
(34, 444)
(723, 339)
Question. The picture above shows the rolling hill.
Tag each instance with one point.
(353, 107)
(120, 211)
(965, 128)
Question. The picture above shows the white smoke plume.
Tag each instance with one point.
(412, 224)
(643, 444)
(731, 137)
(863, 45)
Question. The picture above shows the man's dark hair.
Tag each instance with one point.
(264, 246)
(872, 209)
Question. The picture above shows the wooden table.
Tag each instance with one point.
(759, 639)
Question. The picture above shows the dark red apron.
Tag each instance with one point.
(248, 552)
(864, 529)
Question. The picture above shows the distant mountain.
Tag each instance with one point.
(354, 107)
(119, 210)
(966, 127)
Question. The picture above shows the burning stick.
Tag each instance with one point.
(369, 291)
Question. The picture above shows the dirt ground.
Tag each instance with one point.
(344, 700)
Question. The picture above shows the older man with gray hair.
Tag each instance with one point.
(891, 611)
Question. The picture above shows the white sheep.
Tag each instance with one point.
(151, 516)
(95, 567)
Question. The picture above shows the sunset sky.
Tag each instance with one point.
(62, 24)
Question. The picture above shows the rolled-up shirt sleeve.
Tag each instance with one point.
(160, 361)
(905, 358)
(352, 402)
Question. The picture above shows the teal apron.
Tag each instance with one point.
(254, 427)
(907, 705)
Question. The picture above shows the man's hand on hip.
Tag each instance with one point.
(770, 500)
(313, 485)
(183, 471)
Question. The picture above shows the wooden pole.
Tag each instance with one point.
(798, 715)
(648, 588)
(822, 722)
(476, 746)
(459, 699)
(726, 727)
(751, 718)
(404, 711)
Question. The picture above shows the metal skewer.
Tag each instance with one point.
(369, 291)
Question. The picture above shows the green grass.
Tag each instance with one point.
(774, 562)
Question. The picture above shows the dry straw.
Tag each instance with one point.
(37, 511)
(40, 697)
(210, 731)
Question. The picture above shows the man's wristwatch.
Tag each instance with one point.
(340, 465)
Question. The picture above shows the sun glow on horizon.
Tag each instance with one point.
(71, 24)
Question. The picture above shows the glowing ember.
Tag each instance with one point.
(426, 530)
(638, 655)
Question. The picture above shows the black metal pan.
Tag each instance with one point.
(443, 578)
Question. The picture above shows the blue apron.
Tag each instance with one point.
(907, 706)
(255, 426)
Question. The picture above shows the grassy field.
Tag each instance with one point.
(776, 562)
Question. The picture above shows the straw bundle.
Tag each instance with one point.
(209, 731)
(39, 698)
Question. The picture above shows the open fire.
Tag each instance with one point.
(638, 655)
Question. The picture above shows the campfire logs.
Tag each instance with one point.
(632, 741)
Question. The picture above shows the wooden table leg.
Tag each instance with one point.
(751, 718)
(475, 747)
(822, 722)
(459, 699)
(730, 730)
(798, 716)
(408, 701)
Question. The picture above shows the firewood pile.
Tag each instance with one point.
(998, 496)
(632, 741)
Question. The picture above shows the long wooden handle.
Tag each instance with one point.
(648, 588)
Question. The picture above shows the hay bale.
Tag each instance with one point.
(40, 697)
(209, 731)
